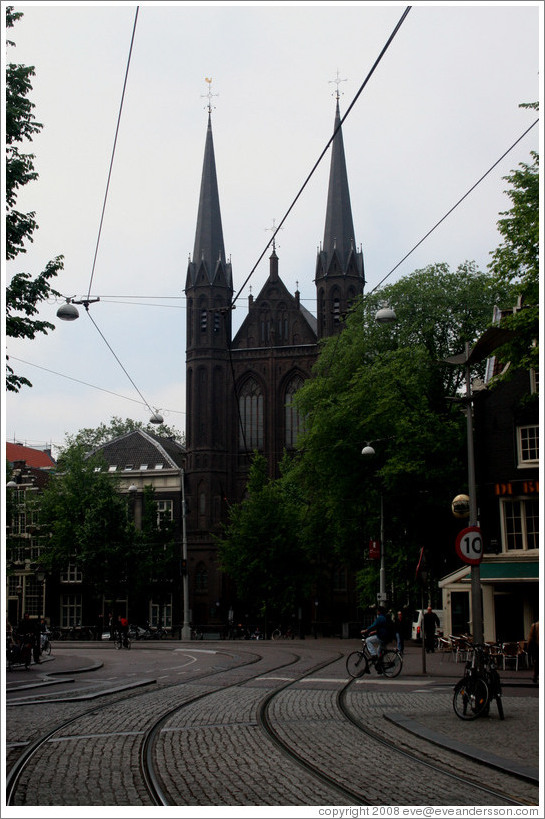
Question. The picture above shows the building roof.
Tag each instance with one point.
(37, 458)
(142, 450)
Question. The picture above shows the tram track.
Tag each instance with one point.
(185, 721)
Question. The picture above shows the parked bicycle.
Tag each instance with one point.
(122, 641)
(19, 650)
(389, 662)
(480, 685)
(283, 634)
(45, 643)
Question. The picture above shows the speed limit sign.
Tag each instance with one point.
(469, 545)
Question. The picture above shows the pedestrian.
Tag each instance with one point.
(533, 649)
(431, 621)
(400, 631)
(123, 629)
(111, 625)
(30, 630)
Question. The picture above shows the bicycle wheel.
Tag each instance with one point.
(470, 697)
(47, 648)
(118, 643)
(356, 664)
(277, 634)
(128, 642)
(392, 663)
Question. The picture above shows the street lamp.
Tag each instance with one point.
(385, 315)
(369, 452)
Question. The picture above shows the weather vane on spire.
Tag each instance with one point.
(209, 94)
(337, 82)
(274, 230)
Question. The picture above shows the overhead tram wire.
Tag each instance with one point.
(113, 153)
(301, 189)
(430, 231)
(316, 164)
(87, 384)
(155, 417)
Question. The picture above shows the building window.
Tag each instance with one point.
(520, 524)
(33, 596)
(340, 579)
(294, 423)
(528, 445)
(71, 574)
(161, 614)
(251, 416)
(71, 610)
(165, 512)
(204, 320)
(201, 578)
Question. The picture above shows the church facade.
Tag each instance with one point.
(239, 387)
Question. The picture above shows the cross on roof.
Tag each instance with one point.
(337, 82)
(209, 94)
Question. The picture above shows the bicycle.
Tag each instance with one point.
(122, 641)
(389, 662)
(281, 634)
(478, 687)
(45, 643)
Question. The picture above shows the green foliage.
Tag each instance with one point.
(516, 261)
(88, 522)
(93, 438)
(24, 293)
(259, 548)
(388, 385)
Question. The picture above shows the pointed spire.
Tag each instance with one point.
(209, 245)
(339, 227)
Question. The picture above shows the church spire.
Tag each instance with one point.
(339, 227)
(209, 249)
(339, 268)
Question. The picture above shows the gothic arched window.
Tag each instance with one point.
(201, 578)
(294, 421)
(251, 416)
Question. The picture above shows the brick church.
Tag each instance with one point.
(239, 388)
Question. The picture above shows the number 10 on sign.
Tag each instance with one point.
(469, 545)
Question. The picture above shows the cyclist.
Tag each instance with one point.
(376, 635)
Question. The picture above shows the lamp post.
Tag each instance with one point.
(382, 596)
(186, 627)
(491, 339)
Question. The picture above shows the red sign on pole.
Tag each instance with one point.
(469, 545)
(374, 549)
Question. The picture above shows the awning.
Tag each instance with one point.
(519, 570)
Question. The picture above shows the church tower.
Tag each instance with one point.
(339, 267)
(209, 292)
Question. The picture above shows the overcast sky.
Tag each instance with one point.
(438, 112)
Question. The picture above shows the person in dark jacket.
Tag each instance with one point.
(400, 631)
(431, 621)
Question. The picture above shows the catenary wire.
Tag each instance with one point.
(113, 153)
(307, 180)
(87, 384)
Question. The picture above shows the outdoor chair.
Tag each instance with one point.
(511, 654)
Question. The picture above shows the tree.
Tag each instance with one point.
(92, 438)
(516, 261)
(87, 521)
(259, 548)
(24, 293)
(390, 386)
